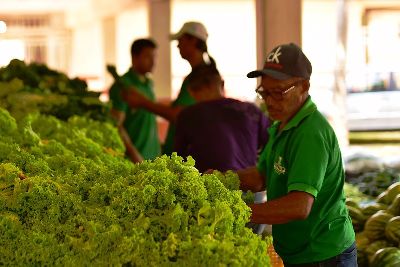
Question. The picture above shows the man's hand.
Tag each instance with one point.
(251, 179)
(134, 98)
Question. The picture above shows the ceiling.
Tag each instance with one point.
(102, 7)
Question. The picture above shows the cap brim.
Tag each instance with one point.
(271, 73)
(174, 36)
(178, 35)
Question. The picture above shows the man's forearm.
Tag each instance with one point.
(134, 154)
(293, 206)
(167, 112)
(131, 150)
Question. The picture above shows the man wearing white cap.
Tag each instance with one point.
(192, 45)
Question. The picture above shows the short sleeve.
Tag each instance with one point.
(116, 99)
(308, 161)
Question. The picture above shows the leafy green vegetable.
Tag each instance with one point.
(29, 88)
(72, 199)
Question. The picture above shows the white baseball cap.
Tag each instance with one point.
(193, 28)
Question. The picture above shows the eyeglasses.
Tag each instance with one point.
(274, 93)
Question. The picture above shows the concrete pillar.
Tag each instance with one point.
(339, 90)
(260, 32)
(279, 23)
(159, 27)
(109, 45)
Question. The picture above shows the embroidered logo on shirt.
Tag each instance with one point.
(279, 169)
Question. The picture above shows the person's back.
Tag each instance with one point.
(222, 134)
(219, 133)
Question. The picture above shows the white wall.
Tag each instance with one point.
(319, 43)
(87, 43)
(87, 50)
(319, 38)
(232, 42)
(131, 24)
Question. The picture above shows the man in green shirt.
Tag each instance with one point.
(301, 168)
(137, 127)
(192, 45)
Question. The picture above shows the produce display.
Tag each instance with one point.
(69, 198)
(353, 193)
(373, 183)
(377, 226)
(29, 88)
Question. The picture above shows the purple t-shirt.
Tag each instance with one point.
(223, 134)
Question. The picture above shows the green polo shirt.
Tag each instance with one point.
(184, 99)
(305, 156)
(140, 124)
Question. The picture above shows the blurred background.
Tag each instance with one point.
(354, 47)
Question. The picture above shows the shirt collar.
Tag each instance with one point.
(136, 77)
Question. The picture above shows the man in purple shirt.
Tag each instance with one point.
(219, 133)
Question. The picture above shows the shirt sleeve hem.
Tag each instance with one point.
(304, 188)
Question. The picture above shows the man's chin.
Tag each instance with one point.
(273, 115)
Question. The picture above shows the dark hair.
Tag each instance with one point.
(202, 46)
(203, 75)
(139, 44)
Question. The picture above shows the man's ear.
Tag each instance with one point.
(222, 87)
(305, 85)
(133, 60)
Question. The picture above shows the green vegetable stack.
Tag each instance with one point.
(29, 88)
(378, 228)
(69, 198)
